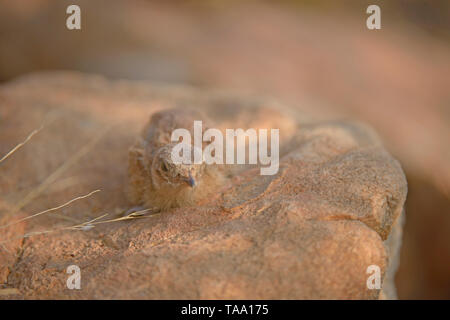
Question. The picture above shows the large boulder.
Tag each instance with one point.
(309, 232)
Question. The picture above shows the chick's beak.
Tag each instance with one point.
(191, 181)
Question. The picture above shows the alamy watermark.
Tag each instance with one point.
(73, 22)
(74, 280)
(213, 153)
(374, 280)
(374, 20)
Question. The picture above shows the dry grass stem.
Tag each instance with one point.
(20, 145)
(50, 210)
(88, 225)
(66, 165)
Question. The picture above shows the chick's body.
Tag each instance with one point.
(155, 181)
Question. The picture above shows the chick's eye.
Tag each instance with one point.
(164, 167)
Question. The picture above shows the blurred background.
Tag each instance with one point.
(315, 55)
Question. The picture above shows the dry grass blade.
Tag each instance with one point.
(80, 226)
(85, 226)
(134, 215)
(20, 145)
(66, 165)
(50, 210)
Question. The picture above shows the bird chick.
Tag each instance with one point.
(155, 181)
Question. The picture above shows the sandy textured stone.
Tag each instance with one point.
(308, 232)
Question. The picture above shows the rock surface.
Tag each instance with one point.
(308, 232)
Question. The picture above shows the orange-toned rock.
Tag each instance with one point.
(308, 232)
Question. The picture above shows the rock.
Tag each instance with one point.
(308, 232)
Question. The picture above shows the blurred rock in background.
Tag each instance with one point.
(318, 55)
